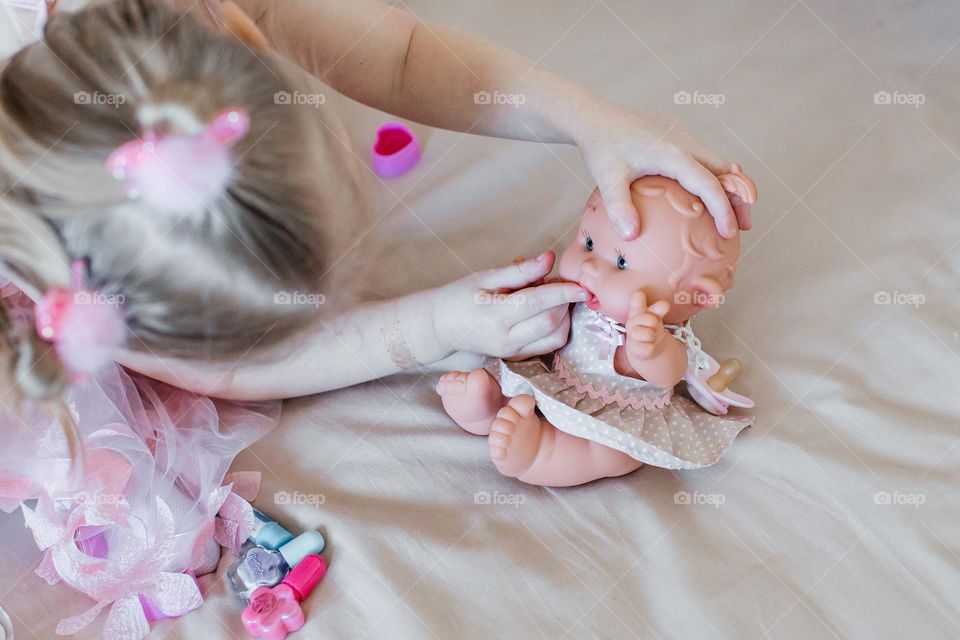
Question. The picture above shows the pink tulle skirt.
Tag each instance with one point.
(147, 486)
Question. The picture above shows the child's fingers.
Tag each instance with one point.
(519, 274)
(615, 191)
(713, 161)
(555, 340)
(700, 181)
(540, 326)
(537, 300)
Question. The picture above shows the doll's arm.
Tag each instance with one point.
(650, 352)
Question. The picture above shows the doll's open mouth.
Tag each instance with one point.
(592, 302)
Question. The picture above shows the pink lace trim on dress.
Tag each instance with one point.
(622, 401)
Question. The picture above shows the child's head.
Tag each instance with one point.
(679, 256)
(198, 282)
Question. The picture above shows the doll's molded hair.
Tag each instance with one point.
(697, 246)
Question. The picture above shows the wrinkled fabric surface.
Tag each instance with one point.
(834, 516)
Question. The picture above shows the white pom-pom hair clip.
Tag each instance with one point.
(85, 327)
(180, 174)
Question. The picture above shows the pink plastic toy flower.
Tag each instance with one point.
(273, 612)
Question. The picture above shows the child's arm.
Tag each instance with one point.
(442, 76)
(373, 340)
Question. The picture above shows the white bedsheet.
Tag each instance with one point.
(834, 517)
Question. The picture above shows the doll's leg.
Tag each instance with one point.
(471, 399)
(525, 446)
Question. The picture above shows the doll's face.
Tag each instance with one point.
(678, 256)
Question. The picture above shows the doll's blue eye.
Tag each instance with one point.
(621, 263)
(588, 243)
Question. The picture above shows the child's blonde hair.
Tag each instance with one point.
(195, 285)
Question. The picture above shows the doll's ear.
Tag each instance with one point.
(706, 292)
(738, 184)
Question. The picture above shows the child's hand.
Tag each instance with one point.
(646, 335)
(497, 313)
(620, 146)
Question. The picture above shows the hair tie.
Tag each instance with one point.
(85, 327)
(180, 174)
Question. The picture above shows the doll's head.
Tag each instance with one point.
(679, 256)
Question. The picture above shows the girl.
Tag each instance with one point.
(196, 256)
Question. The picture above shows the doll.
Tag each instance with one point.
(604, 404)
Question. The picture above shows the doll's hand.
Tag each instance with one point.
(619, 146)
(646, 335)
(497, 313)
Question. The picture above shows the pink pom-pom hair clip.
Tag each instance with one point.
(180, 174)
(85, 327)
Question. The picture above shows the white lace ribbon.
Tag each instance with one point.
(696, 356)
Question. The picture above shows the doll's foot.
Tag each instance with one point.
(515, 436)
(471, 399)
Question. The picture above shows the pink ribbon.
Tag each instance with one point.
(138, 553)
(611, 330)
(235, 521)
(133, 568)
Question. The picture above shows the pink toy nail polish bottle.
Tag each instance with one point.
(275, 611)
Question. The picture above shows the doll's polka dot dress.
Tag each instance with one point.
(579, 392)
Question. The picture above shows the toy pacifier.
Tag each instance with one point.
(710, 386)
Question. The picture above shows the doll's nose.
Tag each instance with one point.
(589, 268)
